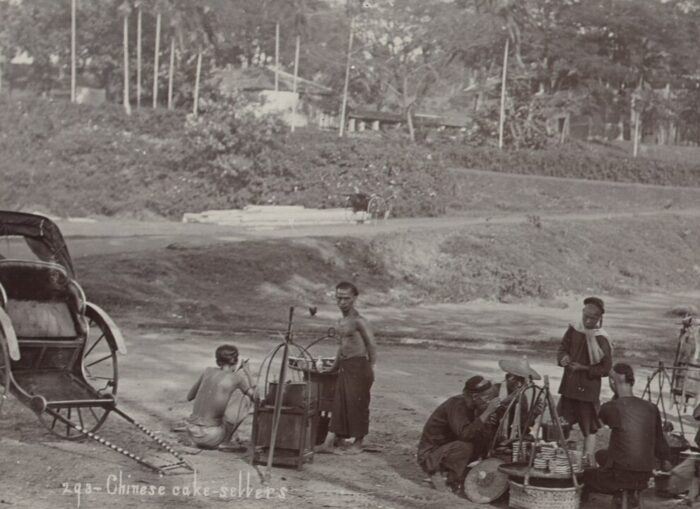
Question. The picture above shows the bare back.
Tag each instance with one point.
(212, 392)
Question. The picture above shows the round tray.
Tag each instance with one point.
(484, 483)
(520, 470)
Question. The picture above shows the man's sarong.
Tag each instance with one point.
(350, 414)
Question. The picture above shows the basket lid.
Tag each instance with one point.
(484, 483)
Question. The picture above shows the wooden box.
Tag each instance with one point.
(296, 435)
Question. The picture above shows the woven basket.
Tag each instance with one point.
(536, 497)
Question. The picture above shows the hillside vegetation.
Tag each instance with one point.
(72, 160)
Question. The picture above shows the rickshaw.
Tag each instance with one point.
(58, 351)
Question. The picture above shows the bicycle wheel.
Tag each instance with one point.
(376, 208)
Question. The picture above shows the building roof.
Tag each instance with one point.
(263, 78)
(420, 119)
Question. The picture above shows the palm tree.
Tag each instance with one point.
(159, 7)
(175, 23)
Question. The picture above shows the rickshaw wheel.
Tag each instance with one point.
(100, 356)
(4, 371)
(99, 369)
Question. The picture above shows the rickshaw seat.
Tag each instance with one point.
(42, 300)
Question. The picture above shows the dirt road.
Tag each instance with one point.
(115, 236)
(40, 472)
(415, 373)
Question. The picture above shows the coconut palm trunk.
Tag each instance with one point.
(73, 35)
(171, 73)
(139, 31)
(195, 108)
(156, 63)
(127, 104)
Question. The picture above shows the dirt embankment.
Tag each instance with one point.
(250, 284)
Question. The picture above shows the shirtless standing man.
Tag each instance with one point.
(214, 420)
(355, 366)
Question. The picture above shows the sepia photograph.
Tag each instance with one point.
(349, 254)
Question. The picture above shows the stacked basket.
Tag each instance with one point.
(557, 460)
(521, 451)
(537, 497)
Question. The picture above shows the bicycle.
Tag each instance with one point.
(360, 207)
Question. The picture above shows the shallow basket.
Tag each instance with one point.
(536, 497)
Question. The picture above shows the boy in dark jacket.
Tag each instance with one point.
(586, 356)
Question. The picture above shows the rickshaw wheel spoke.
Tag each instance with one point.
(102, 359)
(55, 421)
(53, 424)
(94, 345)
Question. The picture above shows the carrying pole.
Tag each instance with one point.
(278, 395)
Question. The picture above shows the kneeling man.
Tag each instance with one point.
(458, 432)
(636, 440)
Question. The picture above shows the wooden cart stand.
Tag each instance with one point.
(295, 438)
(285, 421)
(321, 383)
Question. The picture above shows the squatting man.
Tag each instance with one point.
(222, 397)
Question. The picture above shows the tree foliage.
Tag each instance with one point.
(408, 54)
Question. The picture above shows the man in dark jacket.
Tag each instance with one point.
(458, 432)
(586, 356)
(636, 441)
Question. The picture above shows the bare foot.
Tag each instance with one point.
(232, 447)
(323, 449)
(353, 449)
(439, 483)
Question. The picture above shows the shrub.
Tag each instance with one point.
(575, 160)
(233, 150)
(320, 170)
